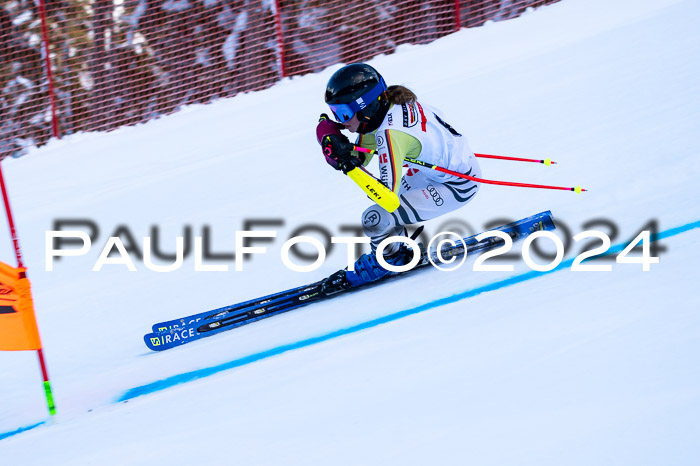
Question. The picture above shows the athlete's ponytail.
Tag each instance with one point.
(400, 95)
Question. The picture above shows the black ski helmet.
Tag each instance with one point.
(358, 89)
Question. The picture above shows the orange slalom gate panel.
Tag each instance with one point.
(18, 328)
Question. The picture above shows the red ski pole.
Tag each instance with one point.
(577, 189)
(547, 162)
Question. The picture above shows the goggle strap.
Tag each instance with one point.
(361, 102)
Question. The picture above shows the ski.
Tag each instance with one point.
(194, 318)
(180, 331)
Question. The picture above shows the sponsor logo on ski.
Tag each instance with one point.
(262, 310)
(539, 226)
(180, 335)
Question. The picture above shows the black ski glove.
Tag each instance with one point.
(336, 147)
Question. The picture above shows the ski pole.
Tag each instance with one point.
(374, 189)
(547, 162)
(577, 189)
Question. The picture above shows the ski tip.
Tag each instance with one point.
(579, 189)
(549, 162)
(153, 342)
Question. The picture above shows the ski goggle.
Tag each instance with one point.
(344, 112)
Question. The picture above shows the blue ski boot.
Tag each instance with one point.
(367, 268)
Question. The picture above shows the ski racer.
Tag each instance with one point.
(393, 122)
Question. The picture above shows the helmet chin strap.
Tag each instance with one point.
(369, 124)
(364, 123)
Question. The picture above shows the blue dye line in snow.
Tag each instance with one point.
(4, 435)
(201, 373)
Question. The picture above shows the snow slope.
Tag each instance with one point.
(564, 368)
